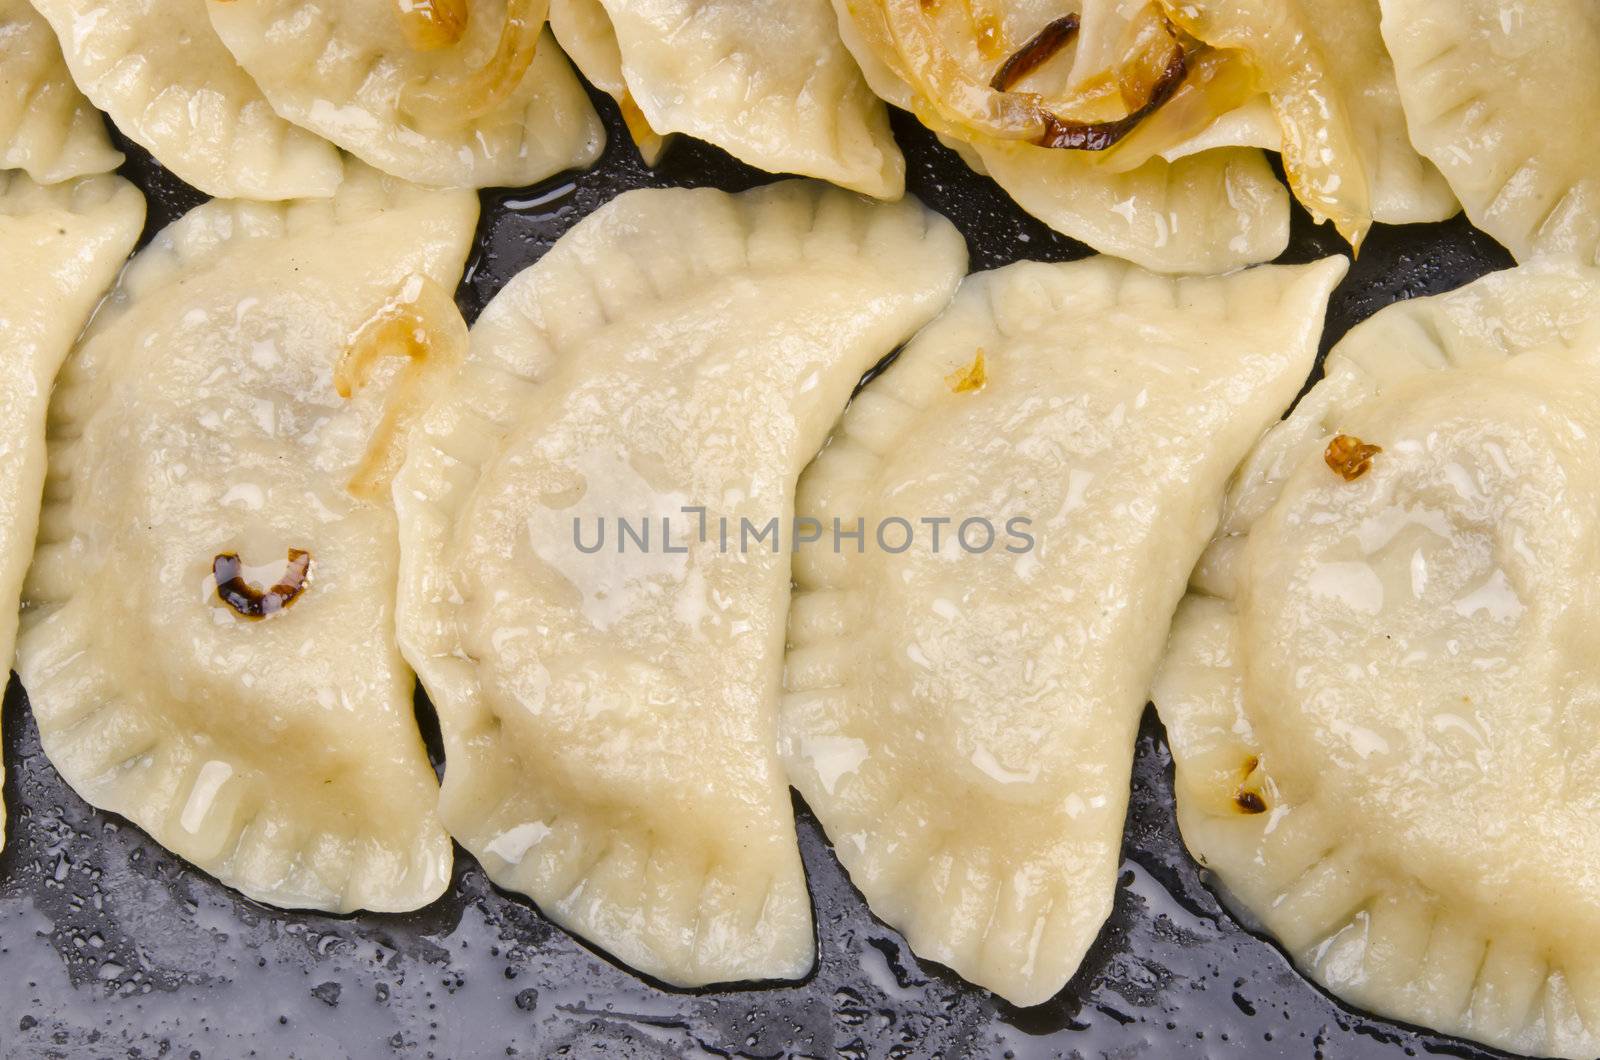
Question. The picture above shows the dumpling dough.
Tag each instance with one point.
(1504, 98)
(341, 67)
(46, 126)
(1207, 213)
(769, 81)
(1403, 187)
(60, 248)
(198, 418)
(610, 719)
(1332, 90)
(158, 69)
(583, 29)
(961, 718)
(1381, 692)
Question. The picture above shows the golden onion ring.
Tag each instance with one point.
(452, 102)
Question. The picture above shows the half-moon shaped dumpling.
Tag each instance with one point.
(1034, 476)
(609, 708)
(448, 93)
(1504, 99)
(208, 634)
(769, 81)
(46, 126)
(1381, 692)
(158, 69)
(60, 248)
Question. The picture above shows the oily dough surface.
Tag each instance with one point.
(584, 31)
(1381, 691)
(46, 126)
(769, 81)
(60, 248)
(1504, 99)
(199, 417)
(1206, 213)
(157, 68)
(341, 69)
(1404, 187)
(610, 718)
(969, 758)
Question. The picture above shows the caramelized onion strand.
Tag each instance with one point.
(419, 322)
(1100, 136)
(1039, 50)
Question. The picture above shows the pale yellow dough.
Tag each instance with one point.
(159, 70)
(769, 81)
(46, 126)
(340, 67)
(198, 417)
(1381, 693)
(60, 248)
(583, 29)
(1504, 98)
(962, 719)
(610, 719)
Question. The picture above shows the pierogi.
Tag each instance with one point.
(961, 716)
(583, 29)
(1331, 86)
(60, 248)
(766, 80)
(159, 70)
(1201, 211)
(1504, 98)
(208, 627)
(1381, 691)
(609, 710)
(485, 102)
(46, 126)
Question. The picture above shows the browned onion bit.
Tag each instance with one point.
(246, 599)
(1098, 136)
(1349, 457)
(1250, 802)
(1040, 47)
(1245, 798)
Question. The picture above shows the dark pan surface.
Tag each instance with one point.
(109, 946)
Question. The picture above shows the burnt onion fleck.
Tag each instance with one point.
(250, 602)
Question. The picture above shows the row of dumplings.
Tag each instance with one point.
(1136, 126)
(277, 473)
(282, 473)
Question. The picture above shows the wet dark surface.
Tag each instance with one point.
(109, 946)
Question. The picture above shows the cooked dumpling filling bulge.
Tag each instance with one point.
(1381, 691)
(208, 640)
